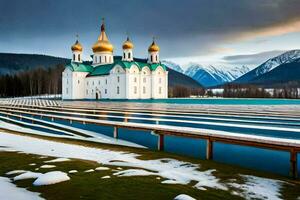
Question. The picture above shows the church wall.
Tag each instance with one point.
(133, 83)
(159, 83)
(145, 83)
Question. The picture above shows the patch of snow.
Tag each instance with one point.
(184, 197)
(119, 168)
(170, 182)
(105, 177)
(50, 178)
(47, 166)
(134, 172)
(102, 168)
(10, 191)
(57, 160)
(89, 170)
(27, 175)
(32, 164)
(73, 171)
(259, 188)
(15, 172)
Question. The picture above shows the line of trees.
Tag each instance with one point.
(32, 82)
(181, 91)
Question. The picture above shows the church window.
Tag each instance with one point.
(92, 91)
(144, 79)
(135, 89)
(87, 83)
(124, 55)
(151, 58)
(118, 79)
(118, 90)
(156, 58)
(105, 59)
(74, 57)
(95, 59)
(159, 90)
(93, 82)
(144, 90)
(105, 91)
(67, 90)
(135, 79)
(129, 55)
(78, 81)
(106, 81)
(87, 91)
(159, 80)
(98, 82)
(67, 81)
(99, 59)
(78, 57)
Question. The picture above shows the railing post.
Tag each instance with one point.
(293, 164)
(160, 142)
(116, 134)
(209, 149)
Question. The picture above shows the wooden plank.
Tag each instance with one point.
(293, 164)
(160, 142)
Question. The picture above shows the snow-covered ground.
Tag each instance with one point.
(170, 170)
(9, 191)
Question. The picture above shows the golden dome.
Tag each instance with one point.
(103, 44)
(128, 44)
(153, 47)
(77, 46)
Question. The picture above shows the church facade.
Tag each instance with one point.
(109, 77)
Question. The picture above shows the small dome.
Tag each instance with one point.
(128, 44)
(153, 47)
(77, 46)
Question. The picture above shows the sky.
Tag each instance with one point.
(217, 32)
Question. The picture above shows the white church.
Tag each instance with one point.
(111, 78)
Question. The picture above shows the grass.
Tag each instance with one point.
(90, 185)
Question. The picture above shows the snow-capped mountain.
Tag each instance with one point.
(285, 58)
(211, 75)
(173, 66)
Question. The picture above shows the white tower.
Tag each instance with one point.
(153, 53)
(77, 52)
(103, 49)
(127, 50)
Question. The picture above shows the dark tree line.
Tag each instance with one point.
(181, 91)
(32, 82)
(289, 91)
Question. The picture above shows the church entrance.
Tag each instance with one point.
(97, 96)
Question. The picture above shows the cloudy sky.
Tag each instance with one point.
(225, 32)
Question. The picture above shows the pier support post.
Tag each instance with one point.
(293, 164)
(160, 142)
(209, 149)
(116, 134)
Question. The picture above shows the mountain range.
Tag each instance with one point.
(281, 69)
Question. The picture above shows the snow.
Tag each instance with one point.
(9, 191)
(47, 166)
(89, 170)
(32, 164)
(183, 172)
(172, 170)
(134, 172)
(102, 168)
(105, 177)
(184, 197)
(58, 160)
(27, 175)
(15, 172)
(50, 178)
(259, 188)
(73, 171)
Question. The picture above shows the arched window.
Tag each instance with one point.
(151, 58)
(95, 59)
(118, 90)
(144, 90)
(118, 79)
(156, 58)
(105, 59)
(74, 57)
(100, 59)
(124, 55)
(78, 57)
(129, 55)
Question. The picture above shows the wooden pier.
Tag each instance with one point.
(79, 115)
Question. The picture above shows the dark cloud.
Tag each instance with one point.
(189, 27)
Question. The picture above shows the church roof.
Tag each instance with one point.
(101, 70)
(80, 67)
